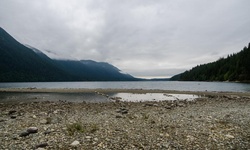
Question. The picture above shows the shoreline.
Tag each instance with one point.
(218, 121)
(85, 90)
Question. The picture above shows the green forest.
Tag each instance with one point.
(236, 67)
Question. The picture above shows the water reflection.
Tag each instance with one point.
(135, 97)
(93, 97)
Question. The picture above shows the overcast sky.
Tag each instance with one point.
(145, 38)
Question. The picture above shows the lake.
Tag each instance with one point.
(94, 97)
(161, 85)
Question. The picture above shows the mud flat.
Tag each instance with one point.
(216, 121)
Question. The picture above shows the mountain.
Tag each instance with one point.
(19, 63)
(236, 67)
(94, 71)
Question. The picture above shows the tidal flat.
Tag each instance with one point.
(215, 120)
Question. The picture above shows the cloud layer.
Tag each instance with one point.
(141, 37)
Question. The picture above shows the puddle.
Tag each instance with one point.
(93, 97)
(134, 97)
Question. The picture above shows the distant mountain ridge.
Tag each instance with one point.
(19, 63)
(236, 67)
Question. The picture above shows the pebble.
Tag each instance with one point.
(230, 136)
(47, 132)
(42, 145)
(157, 132)
(32, 130)
(2, 120)
(29, 131)
(23, 134)
(13, 117)
(43, 121)
(118, 116)
(12, 112)
(75, 143)
(122, 110)
(40, 148)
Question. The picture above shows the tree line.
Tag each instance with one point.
(235, 67)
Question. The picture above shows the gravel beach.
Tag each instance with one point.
(216, 121)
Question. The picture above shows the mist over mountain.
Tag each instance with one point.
(20, 63)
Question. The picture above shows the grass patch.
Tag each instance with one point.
(92, 128)
(75, 127)
(82, 128)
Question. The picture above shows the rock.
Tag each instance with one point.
(31, 130)
(147, 104)
(40, 148)
(155, 105)
(181, 104)
(13, 116)
(122, 110)
(44, 121)
(12, 112)
(229, 136)
(75, 143)
(42, 145)
(167, 135)
(47, 132)
(2, 120)
(118, 116)
(53, 120)
(166, 145)
(15, 137)
(168, 107)
(190, 138)
(23, 134)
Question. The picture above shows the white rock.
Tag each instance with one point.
(75, 143)
(229, 136)
(88, 137)
(40, 148)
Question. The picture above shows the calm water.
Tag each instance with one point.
(92, 97)
(165, 85)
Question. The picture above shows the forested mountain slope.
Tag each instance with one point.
(19, 63)
(236, 67)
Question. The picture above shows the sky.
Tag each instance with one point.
(145, 38)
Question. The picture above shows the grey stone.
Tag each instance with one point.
(122, 110)
(42, 145)
(44, 121)
(32, 130)
(23, 134)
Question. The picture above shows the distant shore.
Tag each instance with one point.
(220, 120)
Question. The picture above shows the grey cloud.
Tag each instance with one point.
(143, 38)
